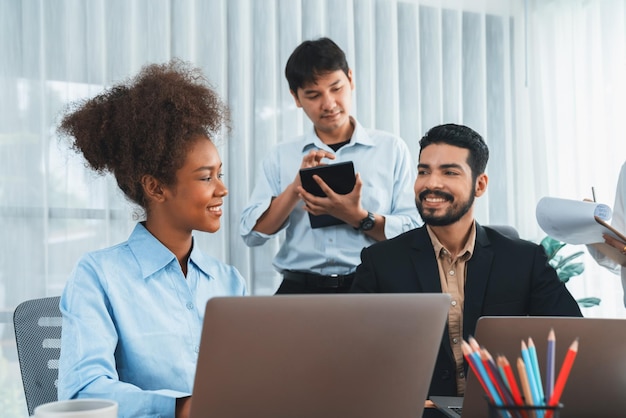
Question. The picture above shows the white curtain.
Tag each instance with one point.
(570, 131)
(541, 80)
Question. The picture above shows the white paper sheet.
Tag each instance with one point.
(572, 221)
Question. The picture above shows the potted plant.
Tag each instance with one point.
(566, 267)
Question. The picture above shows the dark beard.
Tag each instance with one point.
(452, 215)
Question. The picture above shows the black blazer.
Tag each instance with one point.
(504, 277)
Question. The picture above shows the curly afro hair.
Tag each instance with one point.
(145, 125)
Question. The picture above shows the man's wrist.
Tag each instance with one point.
(367, 223)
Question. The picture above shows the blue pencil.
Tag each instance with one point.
(532, 351)
(532, 382)
(498, 381)
(478, 364)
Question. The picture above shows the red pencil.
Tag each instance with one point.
(473, 344)
(492, 370)
(563, 375)
(505, 366)
(467, 351)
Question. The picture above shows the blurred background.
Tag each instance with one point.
(544, 81)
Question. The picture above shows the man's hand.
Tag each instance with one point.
(615, 243)
(312, 159)
(346, 207)
(282, 205)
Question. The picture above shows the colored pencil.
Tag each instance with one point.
(532, 353)
(530, 375)
(566, 367)
(473, 343)
(509, 378)
(494, 375)
(550, 364)
(523, 377)
(467, 353)
(480, 368)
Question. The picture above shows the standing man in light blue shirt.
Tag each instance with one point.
(323, 260)
(133, 313)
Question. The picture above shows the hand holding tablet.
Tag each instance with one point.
(340, 177)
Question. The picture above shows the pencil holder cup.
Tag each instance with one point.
(526, 411)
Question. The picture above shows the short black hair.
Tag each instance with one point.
(462, 137)
(314, 58)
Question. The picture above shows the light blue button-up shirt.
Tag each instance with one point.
(132, 324)
(388, 173)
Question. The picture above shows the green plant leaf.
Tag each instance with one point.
(563, 261)
(551, 246)
(569, 271)
(588, 302)
(555, 260)
(565, 266)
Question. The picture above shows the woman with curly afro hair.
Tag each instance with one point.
(132, 313)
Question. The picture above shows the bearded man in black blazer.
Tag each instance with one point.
(485, 272)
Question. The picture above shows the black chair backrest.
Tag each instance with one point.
(37, 325)
(506, 230)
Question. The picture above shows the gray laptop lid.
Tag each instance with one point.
(450, 406)
(355, 355)
(597, 382)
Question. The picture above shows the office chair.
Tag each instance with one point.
(506, 230)
(37, 326)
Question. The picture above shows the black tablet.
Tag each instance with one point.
(339, 177)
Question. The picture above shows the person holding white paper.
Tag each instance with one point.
(618, 222)
(573, 221)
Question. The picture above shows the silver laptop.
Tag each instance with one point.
(348, 355)
(597, 382)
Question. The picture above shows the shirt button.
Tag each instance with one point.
(189, 305)
(455, 340)
(196, 349)
(453, 303)
(451, 272)
(462, 375)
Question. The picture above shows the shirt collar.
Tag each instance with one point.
(152, 255)
(465, 253)
(204, 263)
(359, 136)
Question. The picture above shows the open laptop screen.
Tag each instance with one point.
(596, 386)
(366, 356)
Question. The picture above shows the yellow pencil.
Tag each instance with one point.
(523, 377)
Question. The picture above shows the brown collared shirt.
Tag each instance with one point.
(452, 272)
